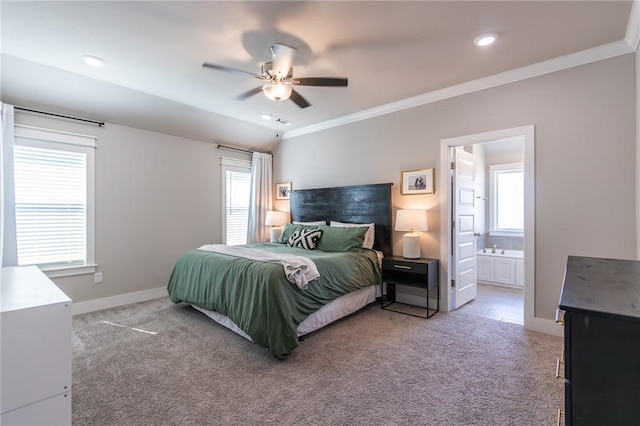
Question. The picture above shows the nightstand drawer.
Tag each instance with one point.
(404, 266)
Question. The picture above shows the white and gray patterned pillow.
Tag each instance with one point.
(305, 238)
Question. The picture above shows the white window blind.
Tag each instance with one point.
(51, 206)
(54, 184)
(236, 197)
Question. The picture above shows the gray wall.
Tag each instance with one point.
(156, 197)
(585, 158)
(637, 153)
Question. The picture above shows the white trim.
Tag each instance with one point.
(528, 132)
(38, 133)
(545, 326)
(505, 233)
(594, 54)
(632, 36)
(508, 166)
(119, 300)
(67, 271)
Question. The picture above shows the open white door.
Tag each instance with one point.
(465, 288)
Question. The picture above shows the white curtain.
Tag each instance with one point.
(261, 197)
(8, 246)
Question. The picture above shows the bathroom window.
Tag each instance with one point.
(507, 199)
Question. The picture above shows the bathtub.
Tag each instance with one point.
(502, 269)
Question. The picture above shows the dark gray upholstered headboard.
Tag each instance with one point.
(352, 204)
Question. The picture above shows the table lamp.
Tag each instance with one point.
(276, 220)
(411, 220)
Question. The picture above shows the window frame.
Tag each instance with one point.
(66, 141)
(494, 170)
(230, 164)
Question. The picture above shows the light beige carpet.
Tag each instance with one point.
(374, 368)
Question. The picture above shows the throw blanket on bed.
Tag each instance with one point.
(298, 269)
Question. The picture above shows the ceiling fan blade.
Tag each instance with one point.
(251, 92)
(321, 81)
(231, 70)
(298, 99)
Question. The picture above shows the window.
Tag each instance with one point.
(54, 184)
(236, 175)
(507, 199)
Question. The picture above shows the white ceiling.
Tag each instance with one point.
(389, 50)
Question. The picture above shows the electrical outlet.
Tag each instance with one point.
(98, 277)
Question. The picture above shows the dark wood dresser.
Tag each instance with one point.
(601, 303)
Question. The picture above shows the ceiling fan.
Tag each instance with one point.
(278, 77)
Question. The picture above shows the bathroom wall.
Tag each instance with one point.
(509, 243)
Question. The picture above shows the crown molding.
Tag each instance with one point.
(599, 53)
(632, 37)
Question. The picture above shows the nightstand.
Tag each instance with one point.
(420, 273)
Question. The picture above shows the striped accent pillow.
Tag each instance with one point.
(305, 238)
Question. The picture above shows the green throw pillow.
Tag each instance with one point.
(341, 239)
(289, 229)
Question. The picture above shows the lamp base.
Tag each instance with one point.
(411, 246)
(275, 235)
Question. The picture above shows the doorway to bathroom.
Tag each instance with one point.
(496, 259)
(499, 229)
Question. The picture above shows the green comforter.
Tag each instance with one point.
(257, 296)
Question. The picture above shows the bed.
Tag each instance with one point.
(260, 301)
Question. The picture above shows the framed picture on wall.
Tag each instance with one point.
(417, 182)
(282, 190)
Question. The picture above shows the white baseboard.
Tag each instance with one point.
(119, 300)
(544, 326)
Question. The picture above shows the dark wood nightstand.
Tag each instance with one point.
(420, 273)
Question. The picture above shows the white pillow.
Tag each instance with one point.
(317, 222)
(369, 237)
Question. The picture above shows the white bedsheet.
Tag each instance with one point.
(332, 311)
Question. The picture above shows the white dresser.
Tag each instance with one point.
(35, 349)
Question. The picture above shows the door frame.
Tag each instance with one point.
(529, 216)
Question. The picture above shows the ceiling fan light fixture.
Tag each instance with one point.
(277, 91)
(486, 39)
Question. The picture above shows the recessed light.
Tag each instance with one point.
(266, 116)
(94, 61)
(486, 39)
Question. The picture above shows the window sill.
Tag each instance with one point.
(67, 271)
(501, 233)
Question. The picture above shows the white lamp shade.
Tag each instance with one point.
(276, 218)
(411, 220)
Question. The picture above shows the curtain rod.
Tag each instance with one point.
(230, 148)
(35, 111)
